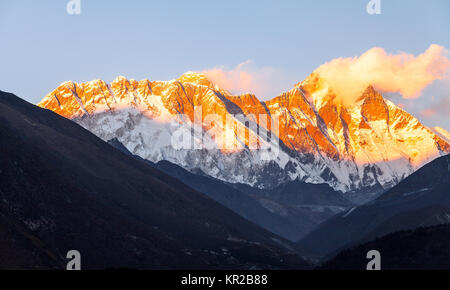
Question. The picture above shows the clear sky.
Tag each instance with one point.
(42, 45)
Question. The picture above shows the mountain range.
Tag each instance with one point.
(307, 134)
(183, 174)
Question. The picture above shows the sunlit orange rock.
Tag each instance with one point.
(311, 119)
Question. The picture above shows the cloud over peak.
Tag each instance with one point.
(401, 73)
(246, 77)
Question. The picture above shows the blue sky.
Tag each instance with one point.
(42, 45)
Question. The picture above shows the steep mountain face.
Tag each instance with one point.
(422, 199)
(63, 188)
(305, 134)
(426, 248)
(442, 133)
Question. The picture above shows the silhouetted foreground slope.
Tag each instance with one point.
(423, 248)
(62, 188)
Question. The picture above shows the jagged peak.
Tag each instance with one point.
(373, 106)
(247, 97)
(195, 78)
(96, 81)
(370, 94)
(313, 83)
(119, 79)
(67, 83)
(317, 91)
(370, 90)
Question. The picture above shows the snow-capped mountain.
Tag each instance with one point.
(306, 133)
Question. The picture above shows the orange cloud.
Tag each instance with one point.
(246, 78)
(398, 73)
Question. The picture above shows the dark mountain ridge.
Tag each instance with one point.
(425, 248)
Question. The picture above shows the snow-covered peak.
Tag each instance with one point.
(371, 143)
(195, 78)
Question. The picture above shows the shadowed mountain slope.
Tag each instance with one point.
(421, 249)
(290, 210)
(63, 188)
